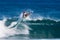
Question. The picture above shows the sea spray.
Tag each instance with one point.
(8, 31)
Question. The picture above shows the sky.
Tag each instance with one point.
(43, 7)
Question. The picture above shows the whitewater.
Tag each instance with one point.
(8, 31)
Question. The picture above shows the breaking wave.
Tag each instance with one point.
(14, 26)
(11, 30)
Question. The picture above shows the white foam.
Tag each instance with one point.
(7, 31)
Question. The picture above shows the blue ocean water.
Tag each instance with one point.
(49, 10)
(45, 8)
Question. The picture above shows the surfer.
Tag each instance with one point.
(21, 19)
(24, 16)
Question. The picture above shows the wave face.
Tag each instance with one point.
(45, 28)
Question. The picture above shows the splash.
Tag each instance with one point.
(15, 28)
(10, 30)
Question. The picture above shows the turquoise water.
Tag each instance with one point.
(45, 28)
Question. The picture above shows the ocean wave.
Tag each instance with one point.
(15, 26)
